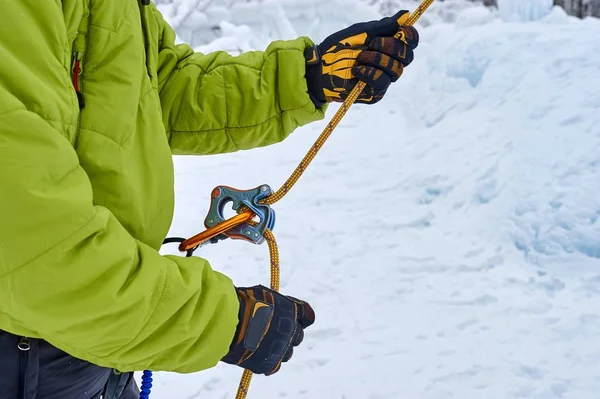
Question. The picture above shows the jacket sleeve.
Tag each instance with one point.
(217, 103)
(71, 274)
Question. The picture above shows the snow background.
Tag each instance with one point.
(447, 237)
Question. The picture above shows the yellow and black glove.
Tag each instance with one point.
(374, 52)
(270, 326)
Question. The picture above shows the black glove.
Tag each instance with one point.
(270, 326)
(368, 52)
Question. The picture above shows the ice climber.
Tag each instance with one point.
(95, 98)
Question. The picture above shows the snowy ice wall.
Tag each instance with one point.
(250, 25)
(524, 10)
(261, 21)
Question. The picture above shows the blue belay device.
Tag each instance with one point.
(241, 200)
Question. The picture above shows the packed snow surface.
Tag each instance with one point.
(447, 237)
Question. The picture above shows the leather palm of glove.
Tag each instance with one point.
(366, 51)
(270, 326)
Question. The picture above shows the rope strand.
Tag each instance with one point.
(341, 112)
(275, 277)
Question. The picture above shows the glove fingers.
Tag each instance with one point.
(285, 358)
(371, 99)
(361, 33)
(306, 314)
(288, 355)
(275, 370)
(377, 83)
(401, 17)
(392, 67)
(373, 77)
(409, 35)
(298, 338)
(388, 26)
(394, 48)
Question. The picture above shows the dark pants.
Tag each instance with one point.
(45, 372)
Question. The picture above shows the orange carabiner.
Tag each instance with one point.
(216, 230)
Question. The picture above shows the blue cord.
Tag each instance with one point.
(146, 384)
(147, 376)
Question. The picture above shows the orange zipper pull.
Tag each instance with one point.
(76, 73)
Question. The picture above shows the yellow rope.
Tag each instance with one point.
(274, 255)
(418, 13)
(295, 176)
(312, 152)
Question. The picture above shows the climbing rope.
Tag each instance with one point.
(245, 215)
(274, 255)
(312, 152)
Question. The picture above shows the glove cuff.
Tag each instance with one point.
(314, 76)
(233, 356)
(255, 316)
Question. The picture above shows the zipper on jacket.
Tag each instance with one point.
(24, 346)
(77, 69)
(146, 15)
(77, 60)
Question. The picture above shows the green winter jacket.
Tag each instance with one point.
(86, 194)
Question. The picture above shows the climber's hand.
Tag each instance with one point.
(374, 52)
(270, 326)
